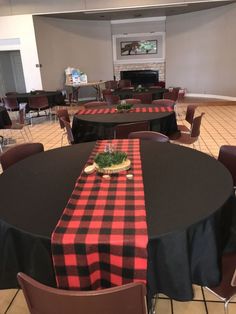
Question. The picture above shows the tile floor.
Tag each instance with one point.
(218, 127)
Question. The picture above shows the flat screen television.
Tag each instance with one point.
(143, 77)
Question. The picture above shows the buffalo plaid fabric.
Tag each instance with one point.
(101, 238)
(113, 110)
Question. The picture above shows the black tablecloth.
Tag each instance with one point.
(4, 118)
(101, 126)
(189, 203)
(55, 98)
(157, 93)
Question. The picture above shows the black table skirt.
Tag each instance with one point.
(101, 126)
(189, 214)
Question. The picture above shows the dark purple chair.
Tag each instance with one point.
(164, 102)
(111, 84)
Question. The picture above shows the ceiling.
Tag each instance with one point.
(142, 12)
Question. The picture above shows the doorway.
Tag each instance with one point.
(11, 72)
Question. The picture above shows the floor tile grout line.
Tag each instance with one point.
(10, 304)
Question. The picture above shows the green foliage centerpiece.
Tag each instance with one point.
(123, 106)
(111, 162)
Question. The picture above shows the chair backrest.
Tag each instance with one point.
(227, 156)
(149, 135)
(19, 152)
(123, 130)
(133, 101)
(146, 98)
(41, 299)
(111, 84)
(195, 130)
(95, 104)
(124, 83)
(190, 113)
(38, 102)
(112, 99)
(164, 102)
(70, 136)
(173, 94)
(63, 113)
(11, 103)
(226, 289)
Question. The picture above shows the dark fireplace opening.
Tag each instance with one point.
(143, 77)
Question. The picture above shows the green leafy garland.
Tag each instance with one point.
(121, 107)
(108, 159)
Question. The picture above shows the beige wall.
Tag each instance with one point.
(8, 7)
(201, 51)
(83, 44)
(20, 29)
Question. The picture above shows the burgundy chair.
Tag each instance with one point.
(149, 135)
(11, 103)
(64, 122)
(123, 130)
(190, 137)
(38, 103)
(41, 299)
(188, 117)
(173, 94)
(111, 84)
(112, 99)
(20, 125)
(124, 84)
(190, 113)
(95, 104)
(226, 290)
(19, 152)
(133, 101)
(164, 102)
(68, 129)
(227, 156)
(146, 98)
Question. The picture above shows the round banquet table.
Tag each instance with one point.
(101, 126)
(189, 204)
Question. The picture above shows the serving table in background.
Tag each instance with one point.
(74, 89)
(189, 213)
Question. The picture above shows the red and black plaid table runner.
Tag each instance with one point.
(101, 238)
(113, 110)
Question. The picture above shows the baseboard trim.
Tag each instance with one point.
(211, 96)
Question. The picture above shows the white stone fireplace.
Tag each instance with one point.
(156, 66)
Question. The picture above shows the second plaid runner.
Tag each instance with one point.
(101, 238)
(113, 110)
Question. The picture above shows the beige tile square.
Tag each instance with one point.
(193, 307)
(6, 297)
